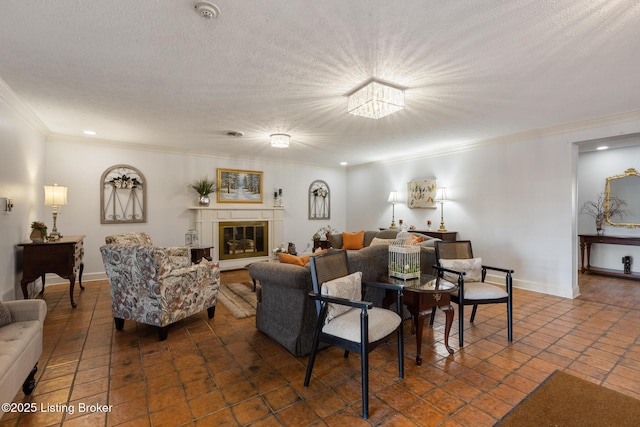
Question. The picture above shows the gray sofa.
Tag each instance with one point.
(287, 314)
(20, 347)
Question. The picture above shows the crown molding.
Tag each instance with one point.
(599, 122)
(13, 101)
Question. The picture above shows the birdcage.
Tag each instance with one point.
(404, 257)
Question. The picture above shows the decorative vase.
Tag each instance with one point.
(37, 235)
(599, 229)
(204, 200)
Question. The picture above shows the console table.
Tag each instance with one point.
(62, 257)
(586, 240)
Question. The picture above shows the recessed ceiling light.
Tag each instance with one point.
(343, 163)
(602, 147)
(89, 132)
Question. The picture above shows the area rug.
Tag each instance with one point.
(239, 299)
(564, 400)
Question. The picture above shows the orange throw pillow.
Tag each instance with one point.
(290, 259)
(353, 240)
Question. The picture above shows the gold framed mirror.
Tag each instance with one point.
(624, 187)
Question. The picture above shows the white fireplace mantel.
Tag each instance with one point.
(207, 221)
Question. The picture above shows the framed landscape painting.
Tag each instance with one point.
(239, 186)
(421, 193)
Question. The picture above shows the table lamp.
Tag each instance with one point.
(393, 198)
(55, 196)
(441, 197)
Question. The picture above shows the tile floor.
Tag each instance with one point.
(224, 372)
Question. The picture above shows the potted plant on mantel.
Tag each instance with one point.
(601, 209)
(204, 187)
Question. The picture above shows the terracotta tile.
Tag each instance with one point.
(282, 397)
(225, 371)
(250, 410)
(298, 414)
(444, 401)
(172, 416)
(424, 413)
(206, 404)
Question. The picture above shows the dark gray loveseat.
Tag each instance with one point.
(286, 313)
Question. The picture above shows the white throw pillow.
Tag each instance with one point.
(5, 315)
(471, 266)
(377, 241)
(348, 287)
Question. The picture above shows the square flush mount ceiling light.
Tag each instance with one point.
(375, 100)
(280, 140)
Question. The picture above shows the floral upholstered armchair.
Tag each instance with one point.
(155, 285)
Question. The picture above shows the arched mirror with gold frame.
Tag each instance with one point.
(624, 187)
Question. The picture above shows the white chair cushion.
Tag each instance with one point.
(348, 287)
(382, 322)
(471, 266)
(482, 290)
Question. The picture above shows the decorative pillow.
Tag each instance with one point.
(290, 259)
(379, 242)
(349, 287)
(298, 260)
(353, 240)
(5, 315)
(472, 267)
(412, 240)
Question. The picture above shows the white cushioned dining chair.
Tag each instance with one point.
(347, 322)
(457, 264)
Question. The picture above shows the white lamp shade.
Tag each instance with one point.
(441, 194)
(393, 197)
(55, 195)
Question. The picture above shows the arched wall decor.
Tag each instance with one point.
(123, 195)
(319, 200)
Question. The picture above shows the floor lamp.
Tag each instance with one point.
(441, 197)
(393, 198)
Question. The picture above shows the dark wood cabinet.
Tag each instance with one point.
(199, 252)
(447, 236)
(62, 257)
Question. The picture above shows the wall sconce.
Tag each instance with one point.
(393, 199)
(441, 197)
(55, 196)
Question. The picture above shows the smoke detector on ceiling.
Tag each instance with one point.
(235, 134)
(207, 10)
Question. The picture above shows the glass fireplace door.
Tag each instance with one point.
(245, 239)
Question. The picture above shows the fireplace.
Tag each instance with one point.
(243, 239)
(207, 223)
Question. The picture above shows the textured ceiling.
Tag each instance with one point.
(156, 73)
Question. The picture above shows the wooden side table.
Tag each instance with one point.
(62, 257)
(421, 296)
(321, 244)
(199, 252)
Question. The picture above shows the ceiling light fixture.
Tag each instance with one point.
(375, 100)
(89, 132)
(207, 10)
(280, 140)
(602, 147)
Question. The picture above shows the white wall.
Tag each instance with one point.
(593, 170)
(79, 166)
(517, 202)
(507, 199)
(21, 179)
